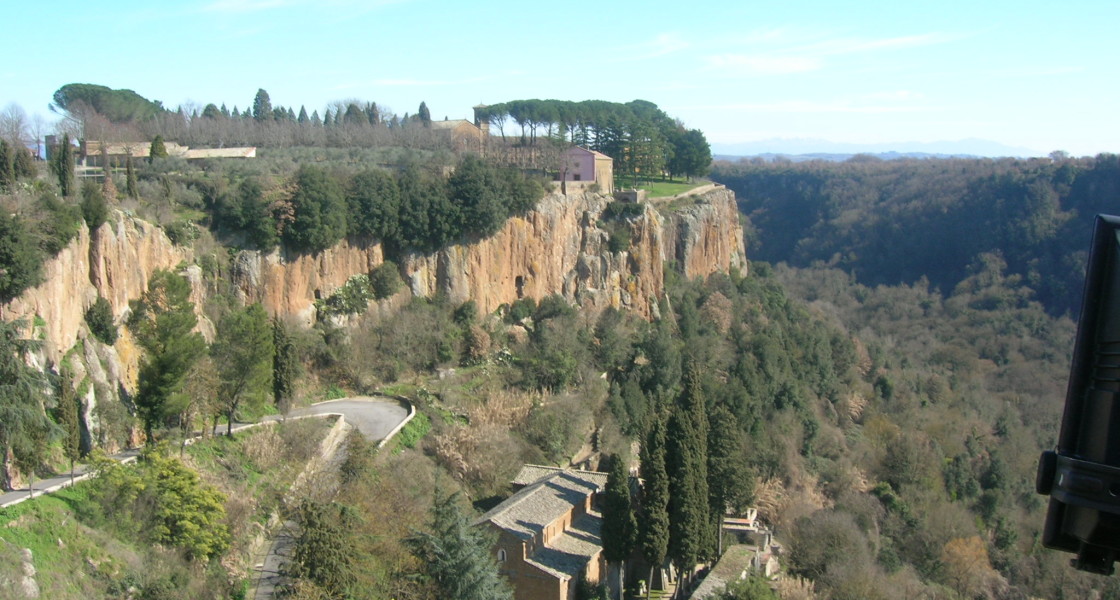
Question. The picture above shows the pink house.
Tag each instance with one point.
(586, 168)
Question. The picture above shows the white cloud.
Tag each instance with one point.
(661, 45)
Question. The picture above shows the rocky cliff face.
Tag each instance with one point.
(705, 237)
(558, 248)
(115, 262)
(561, 247)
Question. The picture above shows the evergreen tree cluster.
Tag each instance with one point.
(15, 164)
(413, 210)
(899, 221)
(639, 136)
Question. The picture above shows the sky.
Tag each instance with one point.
(1032, 76)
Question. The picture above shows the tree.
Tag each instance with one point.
(691, 154)
(619, 527)
(62, 166)
(374, 203)
(162, 321)
(751, 588)
(385, 280)
(21, 261)
(157, 149)
(457, 556)
(69, 417)
(324, 551)
(654, 522)
(424, 115)
(319, 219)
(262, 106)
(475, 189)
(189, 513)
(25, 428)
(130, 186)
(686, 461)
(284, 366)
(95, 210)
(99, 317)
(729, 482)
(243, 353)
(7, 166)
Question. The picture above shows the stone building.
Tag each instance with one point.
(549, 532)
(584, 168)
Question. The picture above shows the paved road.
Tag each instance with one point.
(373, 416)
(51, 484)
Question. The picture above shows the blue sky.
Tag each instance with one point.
(1041, 76)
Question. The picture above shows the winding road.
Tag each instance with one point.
(375, 416)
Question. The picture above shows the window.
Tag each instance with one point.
(501, 555)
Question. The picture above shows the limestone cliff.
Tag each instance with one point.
(560, 247)
(705, 236)
(556, 249)
(116, 262)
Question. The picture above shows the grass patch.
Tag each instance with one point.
(412, 433)
(661, 189)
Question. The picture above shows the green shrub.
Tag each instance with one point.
(99, 317)
(522, 309)
(181, 233)
(412, 433)
(95, 210)
(59, 223)
(385, 280)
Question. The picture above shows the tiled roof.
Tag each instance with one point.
(736, 561)
(527, 512)
(452, 124)
(568, 554)
(247, 152)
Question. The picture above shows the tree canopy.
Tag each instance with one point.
(119, 106)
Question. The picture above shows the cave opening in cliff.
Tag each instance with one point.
(519, 281)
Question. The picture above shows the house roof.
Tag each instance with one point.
(452, 124)
(247, 152)
(530, 510)
(734, 563)
(594, 153)
(567, 555)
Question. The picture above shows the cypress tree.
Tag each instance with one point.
(724, 471)
(62, 165)
(7, 166)
(130, 187)
(262, 106)
(157, 149)
(654, 524)
(69, 409)
(687, 464)
(425, 115)
(284, 365)
(302, 118)
(619, 532)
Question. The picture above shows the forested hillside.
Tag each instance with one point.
(890, 222)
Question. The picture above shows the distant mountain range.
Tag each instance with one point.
(810, 149)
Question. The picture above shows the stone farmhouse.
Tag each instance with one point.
(549, 532)
(585, 168)
(462, 134)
